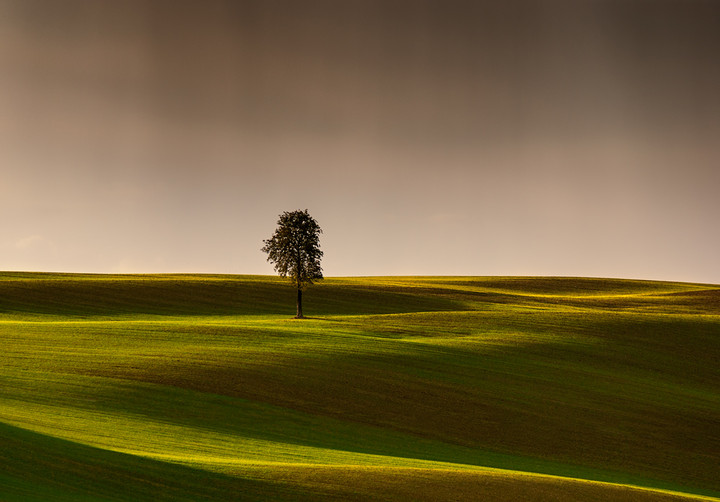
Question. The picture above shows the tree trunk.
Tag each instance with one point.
(299, 305)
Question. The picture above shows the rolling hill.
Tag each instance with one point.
(200, 387)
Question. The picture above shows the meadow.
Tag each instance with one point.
(203, 387)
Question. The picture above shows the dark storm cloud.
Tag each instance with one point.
(584, 131)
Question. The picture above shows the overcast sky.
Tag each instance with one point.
(576, 138)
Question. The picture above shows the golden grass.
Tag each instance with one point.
(401, 483)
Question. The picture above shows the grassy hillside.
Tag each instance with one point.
(196, 387)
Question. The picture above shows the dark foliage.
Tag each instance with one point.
(294, 249)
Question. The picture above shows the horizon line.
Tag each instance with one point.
(361, 276)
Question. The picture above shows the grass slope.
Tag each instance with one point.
(198, 387)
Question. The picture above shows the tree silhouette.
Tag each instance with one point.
(294, 249)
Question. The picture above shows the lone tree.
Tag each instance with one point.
(294, 249)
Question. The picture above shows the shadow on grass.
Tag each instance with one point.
(81, 297)
(38, 467)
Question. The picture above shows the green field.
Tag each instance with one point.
(198, 387)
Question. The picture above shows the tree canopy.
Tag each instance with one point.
(294, 249)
